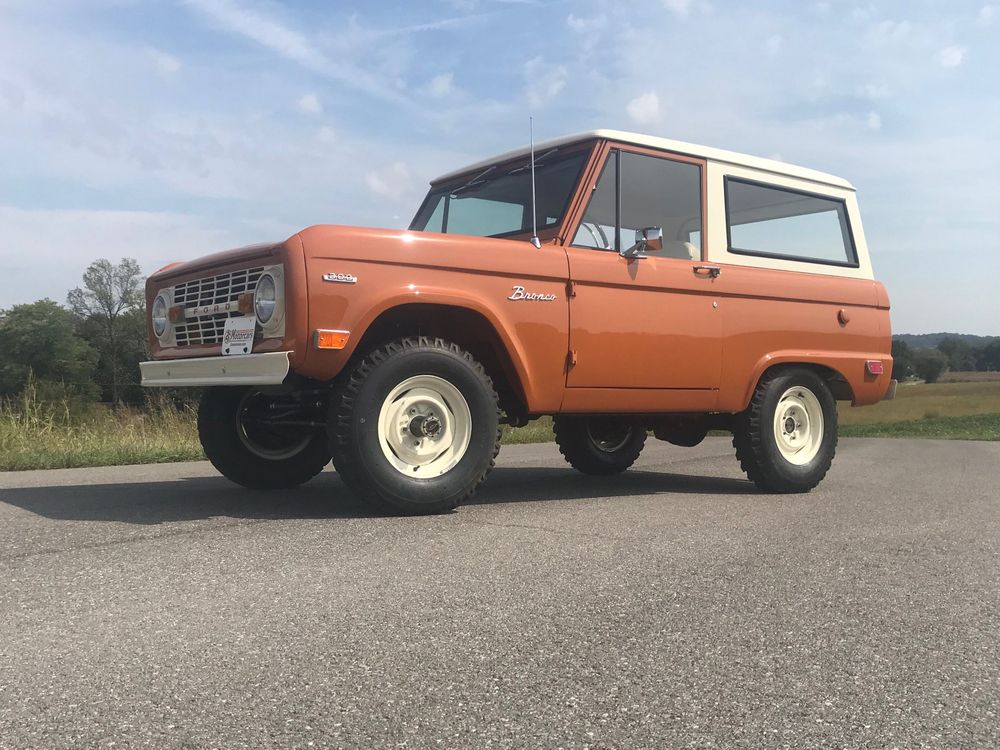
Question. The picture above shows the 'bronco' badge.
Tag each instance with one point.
(519, 293)
(342, 278)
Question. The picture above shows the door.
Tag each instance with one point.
(650, 322)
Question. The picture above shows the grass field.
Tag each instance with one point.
(34, 435)
(970, 377)
(918, 401)
(39, 436)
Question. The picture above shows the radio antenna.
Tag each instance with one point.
(534, 219)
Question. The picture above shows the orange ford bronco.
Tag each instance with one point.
(645, 285)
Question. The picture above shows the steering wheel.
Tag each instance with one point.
(595, 230)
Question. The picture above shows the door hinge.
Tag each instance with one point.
(571, 358)
(570, 288)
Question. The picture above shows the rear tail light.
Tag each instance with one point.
(874, 367)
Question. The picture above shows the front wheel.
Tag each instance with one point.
(248, 445)
(599, 445)
(416, 426)
(786, 439)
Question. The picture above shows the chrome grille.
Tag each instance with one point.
(211, 290)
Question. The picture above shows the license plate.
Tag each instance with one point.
(237, 337)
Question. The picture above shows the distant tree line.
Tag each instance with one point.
(951, 354)
(89, 349)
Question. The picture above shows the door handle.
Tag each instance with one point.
(711, 272)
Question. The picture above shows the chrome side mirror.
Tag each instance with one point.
(648, 238)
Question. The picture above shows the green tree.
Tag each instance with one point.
(902, 360)
(39, 338)
(988, 356)
(961, 357)
(109, 306)
(929, 364)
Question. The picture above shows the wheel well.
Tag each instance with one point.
(467, 328)
(836, 382)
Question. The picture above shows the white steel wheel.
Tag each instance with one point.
(798, 425)
(425, 426)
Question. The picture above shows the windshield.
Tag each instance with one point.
(497, 201)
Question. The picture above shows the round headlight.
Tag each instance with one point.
(160, 315)
(265, 298)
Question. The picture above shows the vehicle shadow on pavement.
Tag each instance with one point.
(535, 484)
(187, 499)
(193, 499)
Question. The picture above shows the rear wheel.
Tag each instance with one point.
(416, 426)
(245, 440)
(599, 445)
(786, 439)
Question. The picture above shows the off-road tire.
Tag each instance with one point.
(755, 442)
(583, 453)
(218, 429)
(354, 426)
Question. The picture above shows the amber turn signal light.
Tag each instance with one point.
(325, 338)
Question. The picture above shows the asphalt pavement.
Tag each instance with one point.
(674, 606)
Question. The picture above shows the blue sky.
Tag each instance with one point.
(165, 129)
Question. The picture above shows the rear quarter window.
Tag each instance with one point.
(778, 222)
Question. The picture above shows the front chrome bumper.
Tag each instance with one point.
(249, 369)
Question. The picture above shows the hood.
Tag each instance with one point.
(262, 251)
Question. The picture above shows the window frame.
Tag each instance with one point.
(851, 246)
(544, 232)
(613, 150)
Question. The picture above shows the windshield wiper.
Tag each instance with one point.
(475, 180)
(478, 179)
(538, 160)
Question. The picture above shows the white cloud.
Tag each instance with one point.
(165, 63)
(679, 7)
(863, 14)
(892, 31)
(987, 14)
(645, 108)
(543, 81)
(310, 104)
(392, 181)
(441, 85)
(582, 25)
(292, 45)
(873, 91)
(951, 57)
(873, 121)
(45, 265)
(773, 44)
(326, 135)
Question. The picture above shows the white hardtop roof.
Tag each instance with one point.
(664, 144)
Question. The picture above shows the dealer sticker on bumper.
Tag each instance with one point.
(237, 337)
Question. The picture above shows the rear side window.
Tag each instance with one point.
(776, 222)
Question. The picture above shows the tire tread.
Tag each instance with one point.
(345, 458)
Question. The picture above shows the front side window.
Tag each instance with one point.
(783, 223)
(638, 192)
(497, 201)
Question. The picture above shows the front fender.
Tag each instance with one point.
(533, 332)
